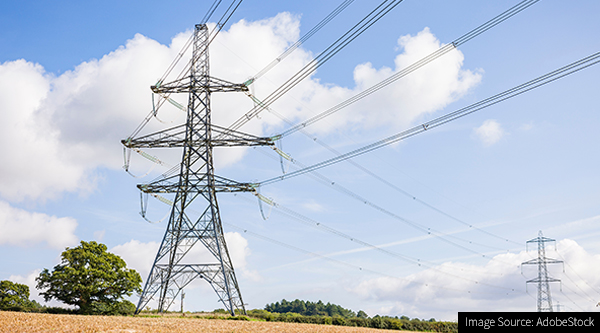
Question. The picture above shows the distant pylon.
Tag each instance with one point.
(544, 297)
(195, 182)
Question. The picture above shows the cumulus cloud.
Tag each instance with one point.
(34, 165)
(489, 133)
(499, 285)
(63, 128)
(23, 228)
(140, 256)
(424, 91)
(137, 255)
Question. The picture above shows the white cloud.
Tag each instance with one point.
(63, 128)
(239, 252)
(466, 287)
(490, 132)
(422, 92)
(33, 163)
(22, 228)
(137, 255)
(140, 256)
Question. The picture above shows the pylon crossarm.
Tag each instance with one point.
(543, 280)
(196, 185)
(167, 138)
(189, 84)
(229, 137)
(175, 137)
(537, 261)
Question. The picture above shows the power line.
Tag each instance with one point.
(343, 263)
(518, 90)
(323, 227)
(375, 15)
(445, 49)
(303, 39)
(416, 65)
(382, 180)
(461, 40)
(210, 11)
(319, 225)
(188, 67)
(579, 276)
(422, 228)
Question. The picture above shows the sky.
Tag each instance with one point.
(426, 227)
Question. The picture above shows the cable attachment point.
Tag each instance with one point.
(282, 155)
(261, 199)
(144, 205)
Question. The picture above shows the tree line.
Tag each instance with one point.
(307, 308)
(382, 322)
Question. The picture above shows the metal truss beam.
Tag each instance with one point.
(195, 184)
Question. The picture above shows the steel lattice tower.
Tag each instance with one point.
(196, 181)
(544, 298)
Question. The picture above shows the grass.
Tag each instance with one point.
(44, 322)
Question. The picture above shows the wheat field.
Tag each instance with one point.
(17, 322)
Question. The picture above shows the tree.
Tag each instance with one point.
(14, 294)
(362, 314)
(90, 278)
(307, 308)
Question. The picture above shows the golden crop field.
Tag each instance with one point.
(20, 322)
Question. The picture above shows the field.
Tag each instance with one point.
(14, 322)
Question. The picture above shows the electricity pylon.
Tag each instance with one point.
(544, 298)
(196, 181)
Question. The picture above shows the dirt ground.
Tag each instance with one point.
(17, 322)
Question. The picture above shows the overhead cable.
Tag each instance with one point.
(187, 68)
(381, 10)
(513, 92)
(360, 268)
(416, 261)
(299, 42)
(418, 64)
(310, 222)
(445, 237)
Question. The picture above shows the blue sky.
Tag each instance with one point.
(75, 79)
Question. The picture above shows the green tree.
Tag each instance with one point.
(90, 278)
(307, 308)
(298, 306)
(362, 314)
(14, 294)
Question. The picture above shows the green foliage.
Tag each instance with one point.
(14, 295)
(308, 308)
(57, 310)
(359, 320)
(92, 279)
(362, 314)
(243, 318)
(124, 307)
